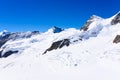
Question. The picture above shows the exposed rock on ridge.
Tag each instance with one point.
(58, 44)
(116, 19)
(117, 39)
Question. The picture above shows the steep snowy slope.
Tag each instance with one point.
(69, 54)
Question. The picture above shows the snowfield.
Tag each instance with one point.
(91, 55)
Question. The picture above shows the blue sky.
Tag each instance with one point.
(30, 15)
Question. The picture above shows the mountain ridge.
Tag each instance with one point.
(63, 53)
(91, 28)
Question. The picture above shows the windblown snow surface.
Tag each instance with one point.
(96, 57)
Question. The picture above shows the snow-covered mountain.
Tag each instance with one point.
(91, 53)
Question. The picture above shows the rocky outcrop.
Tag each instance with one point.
(57, 29)
(8, 53)
(58, 44)
(88, 23)
(116, 19)
(117, 39)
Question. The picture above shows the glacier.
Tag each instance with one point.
(90, 55)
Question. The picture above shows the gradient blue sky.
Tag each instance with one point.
(29, 15)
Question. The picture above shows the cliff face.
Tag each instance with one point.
(116, 19)
(117, 39)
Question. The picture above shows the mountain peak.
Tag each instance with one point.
(4, 32)
(95, 17)
(55, 29)
(89, 21)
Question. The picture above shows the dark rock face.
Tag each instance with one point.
(117, 39)
(87, 24)
(1, 53)
(57, 29)
(8, 53)
(58, 44)
(116, 19)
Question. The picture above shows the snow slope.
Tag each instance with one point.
(91, 55)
